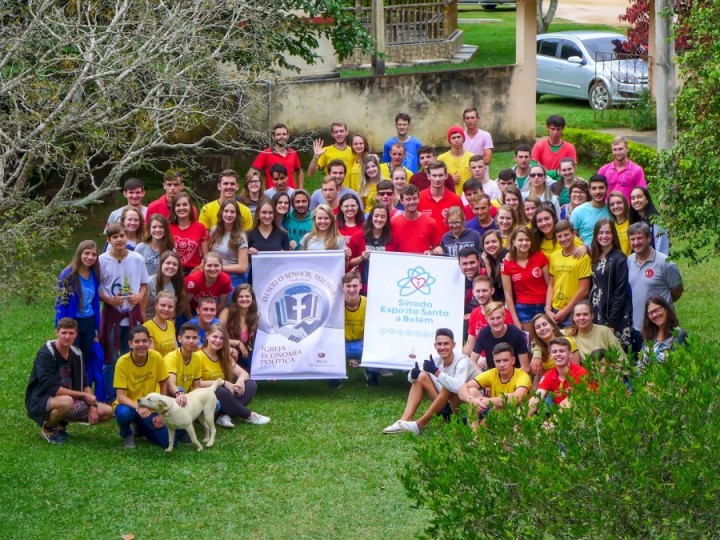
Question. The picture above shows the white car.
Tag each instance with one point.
(589, 65)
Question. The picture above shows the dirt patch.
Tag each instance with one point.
(591, 11)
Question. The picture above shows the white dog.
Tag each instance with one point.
(201, 401)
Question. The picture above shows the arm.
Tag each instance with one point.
(174, 391)
(549, 295)
(535, 400)
(581, 294)
(509, 300)
(468, 347)
(524, 362)
(676, 293)
(511, 399)
(487, 156)
(242, 264)
(464, 390)
(318, 150)
(617, 288)
(453, 384)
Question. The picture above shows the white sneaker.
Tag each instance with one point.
(257, 419)
(411, 426)
(393, 428)
(224, 421)
(386, 372)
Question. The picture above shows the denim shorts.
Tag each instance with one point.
(526, 312)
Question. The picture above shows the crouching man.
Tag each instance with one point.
(58, 391)
(440, 378)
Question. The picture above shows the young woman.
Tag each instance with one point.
(281, 204)
(525, 278)
(579, 194)
(161, 326)
(237, 389)
(538, 186)
(350, 218)
(190, 236)
(620, 214)
(241, 319)
(78, 294)
(132, 220)
(512, 198)
(360, 149)
(169, 278)
(324, 234)
(265, 234)
(376, 236)
(299, 221)
(458, 236)
(399, 179)
(506, 221)
(209, 280)
(229, 240)
(492, 256)
(661, 331)
(643, 209)
(609, 294)
(543, 230)
(157, 241)
(591, 339)
(543, 329)
(530, 206)
(253, 191)
(369, 179)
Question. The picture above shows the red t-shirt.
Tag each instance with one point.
(416, 236)
(477, 320)
(551, 381)
(437, 210)
(160, 206)
(269, 157)
(543, 153)
(528, 283)
(187, 243)
(421, 181)
(469, 214)
(196, 287)
(349, 232)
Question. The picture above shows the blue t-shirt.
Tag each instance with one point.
(201, 332)
(412, 152)
(584, 218)
(88, 293)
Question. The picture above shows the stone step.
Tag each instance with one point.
(464, 54)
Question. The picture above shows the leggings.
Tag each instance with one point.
(233, 405)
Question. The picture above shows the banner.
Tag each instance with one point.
(409, 297)
(302, 315)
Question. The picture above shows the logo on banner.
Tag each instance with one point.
(417, 280)
(297, 311)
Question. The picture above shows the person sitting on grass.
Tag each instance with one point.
(58, 391)
(560, 378)
(507, 384)
(440, 378)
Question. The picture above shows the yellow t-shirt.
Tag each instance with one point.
(547, 247)
(139, 381)
(457, 165)
(185, 374)
(491, 379)
(355, 321)
(567, 272)
(163, 340)
(621, 229)
(352, 179)
(386, 173)
(332, 153)
(547, 363)
(211, 370)
(209, 212)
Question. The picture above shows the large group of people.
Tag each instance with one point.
(558, 270)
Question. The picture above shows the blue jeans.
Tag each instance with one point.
(127, 416)
(354, 349)
(109, 369)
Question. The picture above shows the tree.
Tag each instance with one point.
(92, 90)
(638, 33)
(544, 18)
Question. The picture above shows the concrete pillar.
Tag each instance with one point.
(664, 75)
(526, 70)
(378, 34)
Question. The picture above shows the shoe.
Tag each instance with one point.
(334, 383)
(129, 441)
(224, 421)
(371, 378)
(64, 434)
(257, 419)
(393, 428)
(386, 372)
(410, 427)
(51, 435)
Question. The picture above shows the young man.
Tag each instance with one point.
(133, 191)
(478, 171)
(569, 276)
(440, 379)
(507, 384)
(280, 181)
(498, 331)
(123, 284)
(482, 221)
(457, 159)
(412, 231)
(585, 216)
(396, 159)
(437, 199)
(561, 188)
(622, 174)
(58, 391)
(227, 186)
(280, 153)
(184, 364)
(420, 179)
(477, 141)
(649, 274)
(324, 156)
(330, 193)
(470, 264)
(206, 316)
(506, 178)
(410, 144)
(548, 152)
(338, 170)
(173, 183)
(386, 195)
(560, 379)
(523, 162)
(483, 290)
(355, 306)
(299, 220)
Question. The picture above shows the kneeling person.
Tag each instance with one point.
(440, 379)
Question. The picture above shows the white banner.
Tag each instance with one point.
(302, 315)
(409, 297)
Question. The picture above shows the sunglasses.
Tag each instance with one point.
(536, 174)
(385, 193)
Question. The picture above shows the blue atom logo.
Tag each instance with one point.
(417, 280)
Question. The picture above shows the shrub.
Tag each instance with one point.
(614, 466)
(643, 114)
(593, 149)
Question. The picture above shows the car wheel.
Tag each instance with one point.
(599, 96)
(488, 7)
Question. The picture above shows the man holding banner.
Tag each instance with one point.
(440, 378)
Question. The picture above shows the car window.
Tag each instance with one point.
(603, 48)
(569, 49)
(547, 47)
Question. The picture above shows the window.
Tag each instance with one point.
(569, 49)
(547, 47)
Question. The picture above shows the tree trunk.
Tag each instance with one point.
(544, 20)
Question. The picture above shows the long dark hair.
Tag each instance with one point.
(650, 330)
(173, 216)
(386, 234)
(224, 357)
(537, 340)
(168, 242)
(537, 233)
(178, 280)
(236, 231)
(595, 249)
(650, 209)
(359, 217)
(252, 318)
(72, 281)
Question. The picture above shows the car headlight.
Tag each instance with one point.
(625, 77)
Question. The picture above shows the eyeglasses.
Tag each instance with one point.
(656, 311)
(253, 181)
(454, 223)
(536, 174)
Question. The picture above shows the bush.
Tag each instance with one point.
(593, 149)
(643, 114)
(614, 466)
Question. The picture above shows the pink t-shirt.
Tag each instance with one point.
(528, 282)
(624, 181)
(477, 144)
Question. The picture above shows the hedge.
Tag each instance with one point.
(593, 149)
